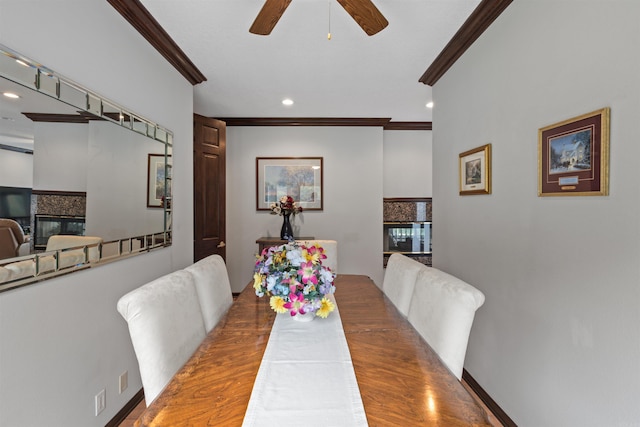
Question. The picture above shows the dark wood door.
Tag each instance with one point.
(209, 146)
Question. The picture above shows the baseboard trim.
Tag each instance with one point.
(126, 410)
(487, 400)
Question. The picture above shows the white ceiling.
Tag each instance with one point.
(15, 128)
(351, 75)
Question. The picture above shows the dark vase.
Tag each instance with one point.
(286, 233)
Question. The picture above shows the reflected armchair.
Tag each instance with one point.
(13, 242)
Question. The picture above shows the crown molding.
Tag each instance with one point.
(140, 18)
(81, 117)
(408, 126)
(483, 16)
(304, 121)
(385, 123)
(16, 149)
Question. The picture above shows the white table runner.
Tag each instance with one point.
(306, 377)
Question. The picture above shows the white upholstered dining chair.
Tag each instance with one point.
(213, 287)
(330, 250)
(442, 311)
(76, 256)
(400, 279)
(166, 327)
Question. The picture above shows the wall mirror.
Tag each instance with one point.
(83, 181)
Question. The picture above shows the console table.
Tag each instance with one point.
(267, 242)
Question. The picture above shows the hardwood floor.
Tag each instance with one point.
(492, 418)
(133, 416)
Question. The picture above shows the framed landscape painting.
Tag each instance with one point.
(156, 179)
(573, 156)
(298, 177)
(475, 171)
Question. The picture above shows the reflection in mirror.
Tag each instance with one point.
(74, 176)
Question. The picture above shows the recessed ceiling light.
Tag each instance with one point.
(287, 101)
(10, 95)
(430, 104)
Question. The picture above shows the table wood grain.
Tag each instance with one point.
(401, 379)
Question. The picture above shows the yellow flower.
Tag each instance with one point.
(313, 254)
(257, 281)
(277, 304)
(279, 258)
(326, 307)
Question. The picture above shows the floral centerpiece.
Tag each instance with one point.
(285, 207)
(293, 276)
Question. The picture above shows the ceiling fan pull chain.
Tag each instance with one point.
(329, 33)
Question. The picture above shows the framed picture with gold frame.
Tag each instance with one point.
(158, 180)
(573, 156)
(475, 171)
(298, 177)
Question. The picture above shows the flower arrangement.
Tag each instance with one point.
(295, 279)
(285, 206)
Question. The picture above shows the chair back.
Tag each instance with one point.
(5, 274)
(11, 238)
(213, 287)
(442, 311)
(400, 279)
(166, 327)
(59, 241)
(15, 228)
(330, 250)
(8, 243)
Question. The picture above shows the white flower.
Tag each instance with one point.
(295, 257)
(271, 282)
(326, 275)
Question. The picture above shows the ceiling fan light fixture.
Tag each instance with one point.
(364, 12)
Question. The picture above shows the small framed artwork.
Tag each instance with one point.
(573, 156)
(157, 176)
(475, 171)
(298, 177)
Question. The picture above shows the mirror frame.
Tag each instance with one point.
(41, 266)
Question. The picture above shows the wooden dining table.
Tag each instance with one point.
(402, 381)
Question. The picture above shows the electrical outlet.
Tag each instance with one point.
(101, 401)
(123, 381)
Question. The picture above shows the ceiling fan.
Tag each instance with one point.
(364, 12)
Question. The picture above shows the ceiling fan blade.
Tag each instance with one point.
(268, 17)
(366, 14)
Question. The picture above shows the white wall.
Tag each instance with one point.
(60, 156)
(117, 183)
(557, 340)
(352, 215)
(16, 169)
(61, 340)
(407, 163)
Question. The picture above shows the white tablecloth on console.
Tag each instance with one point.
(306, 377)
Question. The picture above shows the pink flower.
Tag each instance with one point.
(315, 254)
(296, 304)
(307, 272)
